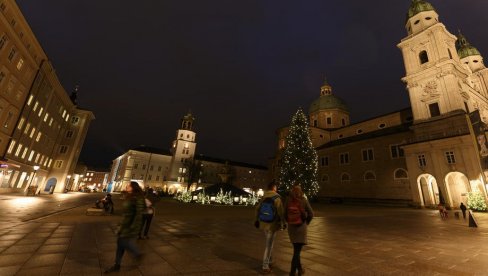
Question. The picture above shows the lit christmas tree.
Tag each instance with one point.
(476, 201)
(299, 160)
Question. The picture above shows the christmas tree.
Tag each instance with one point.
(299, 158)
(476, 201)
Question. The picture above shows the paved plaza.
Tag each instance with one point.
(189, 239)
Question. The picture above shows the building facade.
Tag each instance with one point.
(45, 128)
(434, 152)
(170, 170)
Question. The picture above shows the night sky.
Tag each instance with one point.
(242, 67)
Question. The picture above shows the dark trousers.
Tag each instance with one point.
(296, 265)
(146, 222)
(126, 244)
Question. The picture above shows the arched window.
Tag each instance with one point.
(345, 177)
(369, 175)
(424, 58)
(325, 178)
(400, 174)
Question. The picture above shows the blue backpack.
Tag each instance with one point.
(267, 212)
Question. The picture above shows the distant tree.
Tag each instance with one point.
(476, 201)
(193, 170)
(299, 158)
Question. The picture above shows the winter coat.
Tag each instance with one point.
(298, 233)
(279, 222)
(132, 218)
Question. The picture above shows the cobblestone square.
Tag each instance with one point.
(190, 239)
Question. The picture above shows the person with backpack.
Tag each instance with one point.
(298, 213)
(270, 219)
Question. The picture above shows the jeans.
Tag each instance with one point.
(267, 259)
(122, 245)
(296, 265)
(146, 222)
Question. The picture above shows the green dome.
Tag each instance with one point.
(327, 102)
(419, 6)
(465, 49)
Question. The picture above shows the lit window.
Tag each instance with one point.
(21, 123)
(11, 147)
(29, 101)
(450, 157)
(64, 113)
(50, 161)
(31, 155)
(27, 127)
(37, 158)
(35, 106)
(19, 148)
(51, 122)
(42, 159)
(46, 116)
(24, 153)
(32, 132)
(67, 117)
(40, 112)
(20, 63)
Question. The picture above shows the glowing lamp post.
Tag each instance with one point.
(26, 192)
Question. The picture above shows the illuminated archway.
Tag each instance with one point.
(429, 192)
(457, 185)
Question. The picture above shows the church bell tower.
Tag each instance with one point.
(183, 148)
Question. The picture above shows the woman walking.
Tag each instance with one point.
(130, 227)
(298, 213)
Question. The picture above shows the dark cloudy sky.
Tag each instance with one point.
(243, 67)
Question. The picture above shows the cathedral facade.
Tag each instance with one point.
(434, 152)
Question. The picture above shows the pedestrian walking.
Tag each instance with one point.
(147, 216)
(442, 211)
(463, 209)
(269, 218)
(298, 213)
(130, 226)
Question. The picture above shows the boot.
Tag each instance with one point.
(114, 268)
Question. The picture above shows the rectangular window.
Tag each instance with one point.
(29, 101)
(149, 177)
(20, 64)
(3, 40)
(11, 55)
(31, 155)
(434, 110)
(32, 132)
(40, 112)
(344, 158)
(159, 168)
(35, 106)
(422, 161)
(315, 123)
(368, 155)
(39, 134)
(63, 149)
(58, 164)
(37, 158)
(450, 157)
(21, 123)
(11, 147)
(151, 168)
(136, 165)
(157, 177)
(51, 122)
(74, 120)
(24, 153)
(69, 134)
(329, 120)
(27, 127)
(49, 163)
(324, 161)
(143, 166)
(19, 148)
(396, 151)
(46, 116)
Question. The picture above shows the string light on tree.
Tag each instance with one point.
(300, 160)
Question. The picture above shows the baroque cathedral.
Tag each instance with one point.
(433, 152)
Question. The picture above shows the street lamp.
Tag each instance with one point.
(30, 180)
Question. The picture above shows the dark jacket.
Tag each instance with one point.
(132, 218)
(298, 233)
